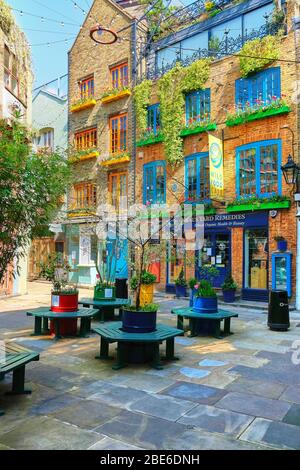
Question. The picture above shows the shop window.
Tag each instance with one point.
(256, 259)
(119, 76)
(261, 89)
(118, 133)
(85, 140)
(118, 190)
(86, 88)
(197, 184)
(154, 123)
(258, 169)
(154, 189)
(84, 196)
(11, 77)
(198, 106)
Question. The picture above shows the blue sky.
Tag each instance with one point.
(51, 61)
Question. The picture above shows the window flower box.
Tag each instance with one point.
(72, 214)
(259, 206)
(115, 161)
(198, 129)
(85, 104)
(86, 156)
(115, 96)
(258, 114)
(155, 139)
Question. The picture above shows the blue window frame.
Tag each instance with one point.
(198, 106)
(262, 88)
(197, 184)
(154, 118)
(258, 169)
(154, 183)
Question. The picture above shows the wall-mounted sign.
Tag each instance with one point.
(216, 168)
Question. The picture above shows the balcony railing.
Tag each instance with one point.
(226, 47)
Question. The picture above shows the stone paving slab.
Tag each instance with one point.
(42, 433)
(122, 397)
(267, 375)
(142, 430)
(291, 394)
(293, 415)
(58, 403)
(162, 406)
(254, 405)
(264, 389)
(195, 392)
(141, 381)
(277, 434)
(107, 443)
(213, 419)
(54, 377)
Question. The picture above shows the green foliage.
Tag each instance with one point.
(208, 273)
(192, 283)
(181, 281)
(142, 96)
(256, 200)
(205, 289)
(196, 75)
(56, 270)
(146, 279)
(30, 188)
(229, 283)
(267, 47)
(157, 16)
(150, 308)
(6, 17)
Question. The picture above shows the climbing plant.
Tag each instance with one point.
(142, 96)
(171, 89)
(267, 47)
(6, 18)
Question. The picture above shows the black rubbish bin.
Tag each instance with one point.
(278, 315)
(121, 289)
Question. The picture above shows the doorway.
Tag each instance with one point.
(216, 251)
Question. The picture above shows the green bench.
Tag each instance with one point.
(136, 347)
(42, 316)
(106, 308)
(13, 358)
(205, 323)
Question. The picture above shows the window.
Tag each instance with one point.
(167, 56)
(258, 166)
(155, 183)
(261, 89)
(188, 46)
(11, 79)
(154, 118)
(86, 139)
(119, 76)
(86, 88)
(118, 190)
(198, 106)
(118, 133)
(84, 196)
(257, 18)
(45, 140)
(88, 250)
(234, 28)
(256, 259)
(197, 183)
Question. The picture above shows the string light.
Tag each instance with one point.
(43, 17)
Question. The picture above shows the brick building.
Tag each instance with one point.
(239, 239)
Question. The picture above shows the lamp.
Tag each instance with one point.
(290, 171)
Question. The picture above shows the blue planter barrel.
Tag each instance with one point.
(138, 322)
(180, 291)
(229, 296)
(282, 245)
(205, 304)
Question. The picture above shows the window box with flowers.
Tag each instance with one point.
(82, 104)
(116, 159)
(115, 94)
(196, 127)
(258, 203)
(150, 137)
(261, 110)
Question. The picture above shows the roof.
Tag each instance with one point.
(62, 99)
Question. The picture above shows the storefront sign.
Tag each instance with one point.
(216, 168)
(236, 220)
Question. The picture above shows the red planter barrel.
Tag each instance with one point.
(65, 303)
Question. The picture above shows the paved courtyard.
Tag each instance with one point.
(242, 392)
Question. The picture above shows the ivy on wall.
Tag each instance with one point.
(171, 89)
(267, 47)
(142, 96)
(6, 18)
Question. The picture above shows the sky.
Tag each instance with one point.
(51, 61)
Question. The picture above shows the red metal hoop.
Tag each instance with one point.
(97, 28)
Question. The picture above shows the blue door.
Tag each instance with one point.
(118, 250)
(216, 252)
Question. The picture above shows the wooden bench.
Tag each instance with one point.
(106, 308)
(136, 347)
(205, 323)
(13, 358)
(44, 314)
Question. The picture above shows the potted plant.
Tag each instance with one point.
(147, 287)
(205, 297)
(181, 285)
(229, 288)
(105, 288)
(192, 283)
(281, 243)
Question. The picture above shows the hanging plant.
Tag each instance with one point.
(196, 75)
(142, 96)
(172, 103)
(267, 47)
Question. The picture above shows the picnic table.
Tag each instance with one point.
(42, 316)
(136, 347)
(106, 308)
(13, 358)
(205, 323)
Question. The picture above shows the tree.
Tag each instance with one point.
(31, 187)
